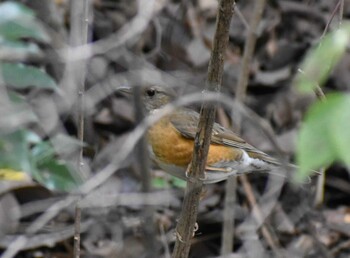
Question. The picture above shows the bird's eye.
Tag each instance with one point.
(151, 92)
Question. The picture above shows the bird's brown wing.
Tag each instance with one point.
(186, 122)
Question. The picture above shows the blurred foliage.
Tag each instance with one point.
(324, 137)
(30, 76)
(23, 151)
(19, 47)
(164, 183)
(19, 22)
(13, 175)
(37, 158)
(321, 60)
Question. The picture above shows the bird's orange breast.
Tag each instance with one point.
(170, 147)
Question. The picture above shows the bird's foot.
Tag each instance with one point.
(180, 238)
(189, 177)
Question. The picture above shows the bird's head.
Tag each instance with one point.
(154, 97)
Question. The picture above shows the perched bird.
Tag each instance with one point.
(171, 142)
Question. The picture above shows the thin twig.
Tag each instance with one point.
(341, 12)
(79, 36)
(241, 17)
(143, 168)
(271, 240)
(186, 225)
(227, 234)
(229, 216)
(249, 49)
(240, 95)
(127, 33)
(345, 245)
(320, 185)
(321, 179)
(163, 239)
(339, 7)
(77, 220)
(319, 93)
(83, 23)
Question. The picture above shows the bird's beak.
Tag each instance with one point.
(125, 90)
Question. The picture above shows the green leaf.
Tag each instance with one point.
(321, 60)
(18, 48)
(62, 145)
(16, 98)
(14, 30)
(22, 76)
(42, 151)
(57, 175)
(52, 172)
(18, 113)
(177, 182)
(12, 10)
(17, 22)
(324, 136)
(31, 137)
(160, 183)
(340, 129)
(40, 161)
(14, 151)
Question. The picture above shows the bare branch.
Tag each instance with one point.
(186, 225)
(79, 36)
(143, 168)
(249, 49)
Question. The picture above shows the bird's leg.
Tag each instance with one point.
(187, 173)
(196, 227)
(203, 194)
(179, 237)
(188, 176)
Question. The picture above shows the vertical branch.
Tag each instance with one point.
(341, 12)
(143, 167)
(187, 222)
(229, 216)
(340, 8)
(79, 11)
(81, 80)
(228, 226)
(248, 50)
(321, 179)
(77, 220)
(270, 238)
(240, 95)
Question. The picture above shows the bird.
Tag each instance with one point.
(171, 141)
